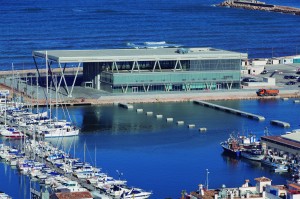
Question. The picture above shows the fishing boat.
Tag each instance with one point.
(253, 154)
(246, 145)
(231, 146)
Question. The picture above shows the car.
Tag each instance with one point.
(286, 77)
(290, 83)
(292, 77)
(264, 72)
(249, 79)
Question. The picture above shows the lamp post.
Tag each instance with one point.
(207, 172)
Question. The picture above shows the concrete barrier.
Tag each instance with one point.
(180, 122)
(169, 119)
(202, 129)
(139, 110)
(159, 116)
(149, 113)
(190, 126)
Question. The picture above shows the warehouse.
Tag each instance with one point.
(288, 144)
(153, 70)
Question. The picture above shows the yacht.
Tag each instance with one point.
(128, 193)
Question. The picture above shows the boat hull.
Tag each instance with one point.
(235, 153)
(251, 156)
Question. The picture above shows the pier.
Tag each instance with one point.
(125, 105)
(280, 123)
(230, 110)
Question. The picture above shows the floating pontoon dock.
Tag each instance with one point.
(230, 110)
(280, 123)
(124, 105)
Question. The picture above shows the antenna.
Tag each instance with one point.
(266, 131)
(119, 173)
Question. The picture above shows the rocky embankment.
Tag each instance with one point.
(262, 7)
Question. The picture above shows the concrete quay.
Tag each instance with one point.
(261, 6)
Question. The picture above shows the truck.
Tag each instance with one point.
(267, 92)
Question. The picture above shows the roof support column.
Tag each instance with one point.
(39, 76)
(138, 66)
(70, 95)
(114, 65)
(62, 73)
(133, 66)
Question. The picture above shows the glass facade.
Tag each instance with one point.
(170, 75)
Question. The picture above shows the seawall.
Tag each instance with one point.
(262, 7)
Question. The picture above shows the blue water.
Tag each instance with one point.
(35, 25)
(163, 157)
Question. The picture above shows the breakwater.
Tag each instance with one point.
(260, 6)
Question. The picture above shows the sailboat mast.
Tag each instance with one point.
(84, 151)
(50, 96)
(37, 93)
(13, 80)
(47, 89)
(56, 108)
(5, 110)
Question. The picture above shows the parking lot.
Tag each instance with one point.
(287, 75)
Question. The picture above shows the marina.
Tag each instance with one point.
(177, 133)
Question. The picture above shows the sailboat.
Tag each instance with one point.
(9, 132)
(57, 128)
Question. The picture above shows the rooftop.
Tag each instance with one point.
(110, 55)
(283, 140)
(262, 179)
(293, 136)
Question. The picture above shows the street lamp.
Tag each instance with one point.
(207, 172)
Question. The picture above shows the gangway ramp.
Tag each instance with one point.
(230, 110)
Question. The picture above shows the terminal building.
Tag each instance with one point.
(153, 70)
(288, 144)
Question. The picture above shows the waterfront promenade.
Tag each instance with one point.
(90, 96)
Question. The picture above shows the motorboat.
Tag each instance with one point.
(253, 154)
(118, 191)
(12, 132)
(281, 169)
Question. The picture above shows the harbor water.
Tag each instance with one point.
(162, 156)
(37, 25)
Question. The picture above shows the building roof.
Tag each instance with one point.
(110, 55)
(294, 186)
(282, 140)
(262, 179)
(293, 136)
(72, 195)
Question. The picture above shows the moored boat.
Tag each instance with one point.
(253, 154)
